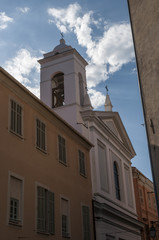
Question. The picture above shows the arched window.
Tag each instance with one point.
(81, 89)
(58, 90)
(116, 181)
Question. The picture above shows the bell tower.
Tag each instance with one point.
(63, 84)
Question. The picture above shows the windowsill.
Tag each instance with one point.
(41, 150)
(45, 233)
(15, 222)
(16, 134)
(83, 175)
(66, 235)
(63, 163)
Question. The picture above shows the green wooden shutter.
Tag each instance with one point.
(86, 223)
(51, 223)
(41, 209)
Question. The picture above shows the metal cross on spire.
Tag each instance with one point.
(62, 34)
(106, 87)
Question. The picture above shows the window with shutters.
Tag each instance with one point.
(82, 166)
(86, 223)
(45, 211)
(40, 135)
(62, 149)
(15, 201)
(65, 223)
(15, 118)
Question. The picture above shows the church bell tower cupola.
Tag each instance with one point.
(63, 82)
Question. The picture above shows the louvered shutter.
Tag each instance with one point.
(86, 223)
(41, 211)
(51, 212)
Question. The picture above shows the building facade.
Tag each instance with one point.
(145, 203)
(45, 170)
(64, 89)
(144, 22)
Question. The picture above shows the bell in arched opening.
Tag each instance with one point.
(58, 90)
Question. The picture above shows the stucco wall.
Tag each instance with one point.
(21, 157)
(145, 21)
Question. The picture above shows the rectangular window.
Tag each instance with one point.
(14, 209)
(65, 217)
(86, 223)
(154, 203)
(15, 118)
(40, 135)
(141, 196)
(62, 149)
(82, 163)
(149, 199)
(15, 203)
(45, 211)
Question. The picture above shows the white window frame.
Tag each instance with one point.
(19, 220)
(68, 233)
(14, 129)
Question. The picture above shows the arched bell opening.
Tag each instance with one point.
(58, 90)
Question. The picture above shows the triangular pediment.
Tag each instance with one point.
(114, 124)
(111, 125)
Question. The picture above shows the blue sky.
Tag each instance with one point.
(100, 31)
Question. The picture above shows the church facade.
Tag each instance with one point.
(64, 89)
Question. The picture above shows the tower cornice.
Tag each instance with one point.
(52, 56)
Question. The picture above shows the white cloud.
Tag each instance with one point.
(23, 10)
(4, 20)
(106, 53)
(96, 97)
(25, 68)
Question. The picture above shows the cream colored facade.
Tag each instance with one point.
(27, 169)
(144, 20)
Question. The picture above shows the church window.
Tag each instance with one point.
(116, 180)
(58, 90)
(81, 89)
